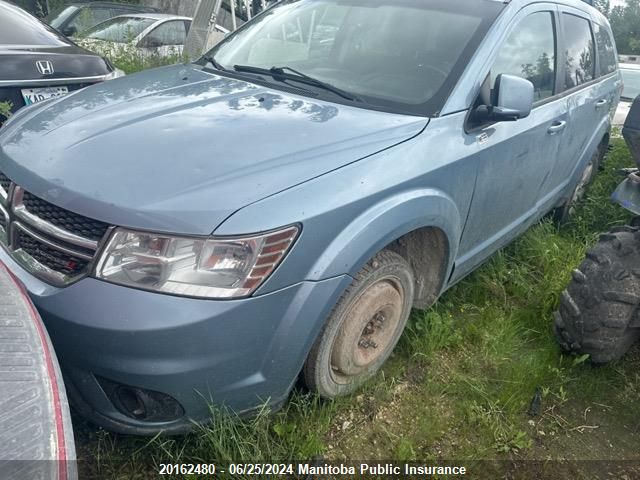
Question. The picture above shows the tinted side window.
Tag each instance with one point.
(122, 11)
(579, 51)
(530, 52)
(90, 17)
(170, 33)
(606, 50)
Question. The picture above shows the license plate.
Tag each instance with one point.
(35, 95)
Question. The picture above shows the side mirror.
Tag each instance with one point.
(512, 98)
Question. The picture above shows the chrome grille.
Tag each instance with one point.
(52, 243)
(4, 183)
(51, 257)
(69, 221)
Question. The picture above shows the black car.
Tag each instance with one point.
(78, 17)
(38, 63)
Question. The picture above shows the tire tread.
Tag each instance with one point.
(599, 309)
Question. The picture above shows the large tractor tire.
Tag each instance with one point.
(599, 310)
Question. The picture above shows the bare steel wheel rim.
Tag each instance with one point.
(369, 330)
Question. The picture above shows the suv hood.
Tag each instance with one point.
(180, 149)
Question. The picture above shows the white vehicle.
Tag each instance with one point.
(631, 77)
(149, 34)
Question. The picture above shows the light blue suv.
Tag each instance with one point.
(212, 232)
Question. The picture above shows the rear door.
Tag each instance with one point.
(607, 61)
(515, 159)
(589, 98)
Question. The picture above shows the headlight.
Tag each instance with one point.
(193, 267)
(117, 73)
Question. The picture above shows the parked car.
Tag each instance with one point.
(206, 233)
(37, 435)
(598, 314)
(37, 63)
(146, 34)
(633, 59)
(631, 78)
(73, 19)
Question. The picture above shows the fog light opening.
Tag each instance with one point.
(130, 402)
(141, 404)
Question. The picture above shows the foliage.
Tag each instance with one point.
(603, 5)
(625, 23)
(128, 58)
(5, 111)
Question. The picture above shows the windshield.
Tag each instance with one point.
(119, 29)
(59, 17)
(401, 54)
(631, 83)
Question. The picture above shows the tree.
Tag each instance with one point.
(543, 65)
(603, 5)
(625, 23)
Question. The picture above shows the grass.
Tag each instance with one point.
(459, 387)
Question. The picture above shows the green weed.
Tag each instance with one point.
(5, 111)
(128, 58)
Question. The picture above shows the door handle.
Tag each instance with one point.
(601, 104)
(557, 127)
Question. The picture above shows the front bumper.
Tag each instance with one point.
(240, 353)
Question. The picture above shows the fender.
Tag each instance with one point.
(350, 214)
(384, 223)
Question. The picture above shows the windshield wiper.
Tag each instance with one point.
(212, 60)
(280, 74)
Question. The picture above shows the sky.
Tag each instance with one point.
(615, 3)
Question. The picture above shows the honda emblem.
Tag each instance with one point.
(45, 67)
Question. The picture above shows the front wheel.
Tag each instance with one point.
(363, 328)
(599, 313)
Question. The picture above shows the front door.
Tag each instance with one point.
(515, 159)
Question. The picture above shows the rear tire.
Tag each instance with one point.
(565, 212)
(599, 313)
(603, 148)
(363, 328)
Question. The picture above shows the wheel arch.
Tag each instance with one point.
(423, 226)
(427, 251)
(600, 134)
